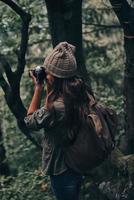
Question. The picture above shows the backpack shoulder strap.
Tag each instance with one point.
(92, 100)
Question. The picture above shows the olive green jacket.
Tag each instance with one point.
(55, 136)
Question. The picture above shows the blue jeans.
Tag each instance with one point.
(66, 186)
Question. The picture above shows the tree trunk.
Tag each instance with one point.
(125, 14)
(129, 93)
(65, 21)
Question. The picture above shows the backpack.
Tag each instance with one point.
(95, 140)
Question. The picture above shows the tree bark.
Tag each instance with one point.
(129, 93)
(65, 21)
(125, 14)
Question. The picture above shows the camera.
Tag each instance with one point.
(39, 73)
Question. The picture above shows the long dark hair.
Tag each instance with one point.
(74, 93)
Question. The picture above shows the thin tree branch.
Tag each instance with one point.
(14, 6)
(7, 68)
(23, 46)
(102, 25)
(25, 17)
(4, 85)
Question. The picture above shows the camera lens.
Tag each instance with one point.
(39, 73)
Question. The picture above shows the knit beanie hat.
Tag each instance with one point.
(61, 61)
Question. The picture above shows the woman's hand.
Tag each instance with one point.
(37, 85)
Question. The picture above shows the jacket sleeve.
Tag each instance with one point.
(45, 118)
(42, 118)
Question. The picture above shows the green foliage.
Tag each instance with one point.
(26, 185)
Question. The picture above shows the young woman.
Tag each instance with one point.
(60, 116)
